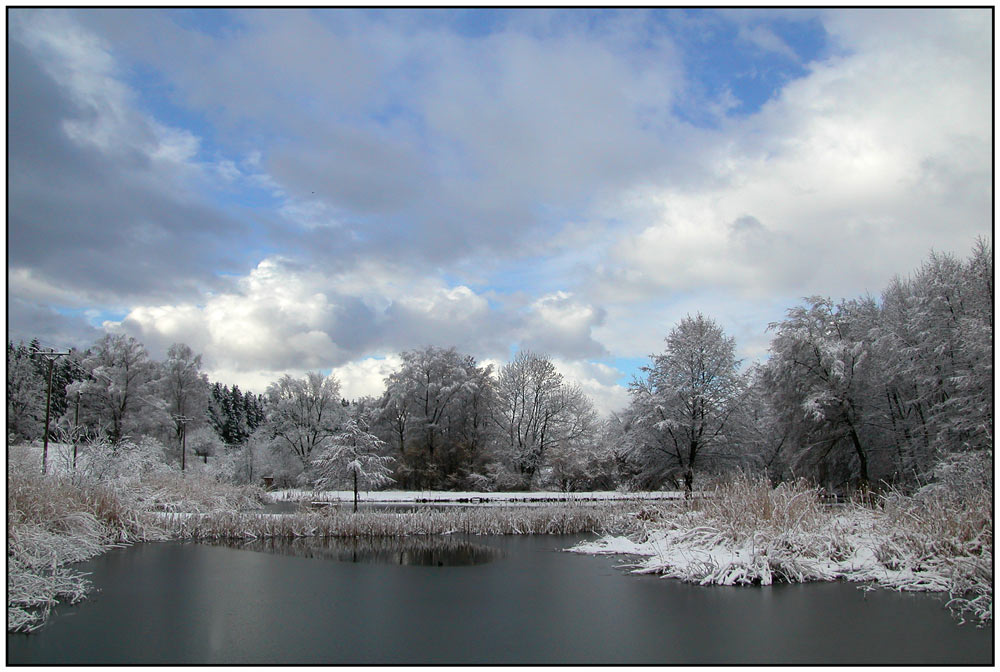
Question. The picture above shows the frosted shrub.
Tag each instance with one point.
(196, 492)
(52, 521)
(104, 462)
(942, 538)
(745, 532)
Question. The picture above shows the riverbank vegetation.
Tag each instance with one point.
(748, 532)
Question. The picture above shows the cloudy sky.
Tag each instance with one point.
(322, 189)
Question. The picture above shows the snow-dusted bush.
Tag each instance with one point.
(52, 521)
(747, 533)
(195, 492)
(105, 462)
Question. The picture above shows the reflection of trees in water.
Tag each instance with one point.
(432, 551)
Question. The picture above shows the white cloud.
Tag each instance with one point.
(598, 381)
(559, 324)
(852, 174)
(366, 377)
(848, 175)
(765, 39)
(286, 317)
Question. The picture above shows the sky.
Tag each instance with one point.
(323, 189)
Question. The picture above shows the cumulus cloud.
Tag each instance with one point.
(286, 317)
(598, 381)
(849, 176)
(287, 191)
(103, 199)
(559, 324)
(283, 316)
(366, 377)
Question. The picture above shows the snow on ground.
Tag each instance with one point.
(435, 496)
(847, 548)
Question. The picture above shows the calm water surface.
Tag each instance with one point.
(511, 600)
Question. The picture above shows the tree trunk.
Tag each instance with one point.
(862, 460)
(355, 491)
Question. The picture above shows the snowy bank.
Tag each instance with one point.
(750, 534)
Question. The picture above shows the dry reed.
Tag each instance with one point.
(749, 533)
(337, 522)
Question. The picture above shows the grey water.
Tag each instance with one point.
(503, 600)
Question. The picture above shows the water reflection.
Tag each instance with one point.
(213, 605)
(433, 551)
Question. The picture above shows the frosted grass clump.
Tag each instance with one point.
(748, 533)
(69, 516)
(52, 522)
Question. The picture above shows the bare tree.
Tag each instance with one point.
(535, 411)
(120, 372)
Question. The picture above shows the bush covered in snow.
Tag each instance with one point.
(749, 533)
(67, 516)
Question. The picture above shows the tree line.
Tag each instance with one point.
(853, 394)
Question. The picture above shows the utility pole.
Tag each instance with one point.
(52, 356)
(183, 420)
(76, 428)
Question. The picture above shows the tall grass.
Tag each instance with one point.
(52, 522)
(68, 516)
(750, 533)
(337, 522)
(124, 494)
(944, 542)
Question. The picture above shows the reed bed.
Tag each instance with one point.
(52, 522)
(749, 533)
(335, 522)
(69, 516)
(944, 542)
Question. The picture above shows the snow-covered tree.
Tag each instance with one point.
(425, 409)
(683, 407)
(576, 460)
(25, 394)
(817, 376)
(303, 413)
(353, 456)
(185, 390)
(933, 346)
(119, 385)
(532, 413)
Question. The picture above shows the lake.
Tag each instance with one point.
(467, 600)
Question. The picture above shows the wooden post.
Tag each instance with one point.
(76, 427)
